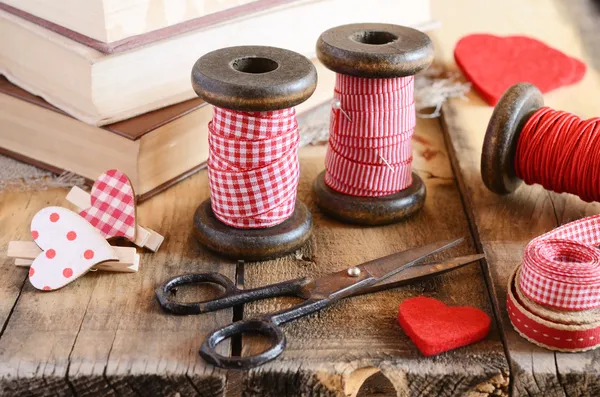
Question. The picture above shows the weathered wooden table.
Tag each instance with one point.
(106, 335)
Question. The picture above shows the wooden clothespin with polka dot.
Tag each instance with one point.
(25, 252)
(66, 247)
(111, 209)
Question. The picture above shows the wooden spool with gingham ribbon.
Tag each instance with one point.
(253, 167)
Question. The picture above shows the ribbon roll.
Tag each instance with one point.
(554, 330)
(561, 269)
(253, 166)
(372, 123)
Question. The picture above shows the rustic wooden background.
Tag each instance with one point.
(106, 335)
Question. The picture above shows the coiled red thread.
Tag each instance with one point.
(561, 152)
(253, 166)
(370, 151)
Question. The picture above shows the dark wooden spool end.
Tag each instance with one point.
(511, 113)
(252, 244)
(373, 50)
(370, 211)
(253, 79)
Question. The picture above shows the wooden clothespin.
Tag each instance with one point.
(110, 208)
(25, 252)
(65, 247)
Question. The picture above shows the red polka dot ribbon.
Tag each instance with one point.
(554, 330)
(253, 166)
(372, 122)
(561, 269)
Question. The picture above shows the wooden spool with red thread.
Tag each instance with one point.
(527, 142)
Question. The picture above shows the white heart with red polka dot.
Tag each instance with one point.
(70, 245)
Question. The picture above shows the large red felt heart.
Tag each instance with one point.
(436, 328)
(493, 64)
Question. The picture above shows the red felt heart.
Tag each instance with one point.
(493, 64)
(436, 328)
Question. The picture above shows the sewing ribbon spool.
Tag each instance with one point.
(252, 213)
(253, 166)
(368, 178)
(370, 151)
(554, 296)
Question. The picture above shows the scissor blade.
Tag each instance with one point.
(340, 284)
(420, 272)
(387, 266)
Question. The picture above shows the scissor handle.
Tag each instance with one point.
(267, 325)
(164, 295)
(264, 326)
(230, 297)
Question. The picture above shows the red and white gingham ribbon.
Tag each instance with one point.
(370, 152)
(561, 269)
(253, 166)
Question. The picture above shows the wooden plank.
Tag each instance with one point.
(333, 352)
(105, 334)
(15, 217)
(505, 225)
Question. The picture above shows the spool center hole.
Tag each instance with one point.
(374, 37)
(254, 65)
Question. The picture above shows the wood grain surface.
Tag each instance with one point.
(106, 335)
(504, 225)
(332, 352)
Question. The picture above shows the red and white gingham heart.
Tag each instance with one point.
(561, 269)
(71, 247)
(113, 206)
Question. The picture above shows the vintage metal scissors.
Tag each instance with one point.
(318, 293)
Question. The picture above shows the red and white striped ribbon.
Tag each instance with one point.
(370, 152)
(253, 166)
(561, 269)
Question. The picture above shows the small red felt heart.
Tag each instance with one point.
(493, 64)
(436, 328)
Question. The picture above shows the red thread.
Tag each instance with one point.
(370, 151)
(253, 166)
(561, 152)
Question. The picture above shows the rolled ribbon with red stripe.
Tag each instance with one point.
(561, 269)
(253, 167)
(370, 152)
(549, 328)
(554, 296)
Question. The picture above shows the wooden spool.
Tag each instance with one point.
(373, 50)
(511, 113)
(253, 79)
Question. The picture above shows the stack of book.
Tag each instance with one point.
(90, 85)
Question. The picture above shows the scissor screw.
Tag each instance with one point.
(354, 272)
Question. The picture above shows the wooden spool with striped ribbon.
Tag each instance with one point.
(368, 177)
